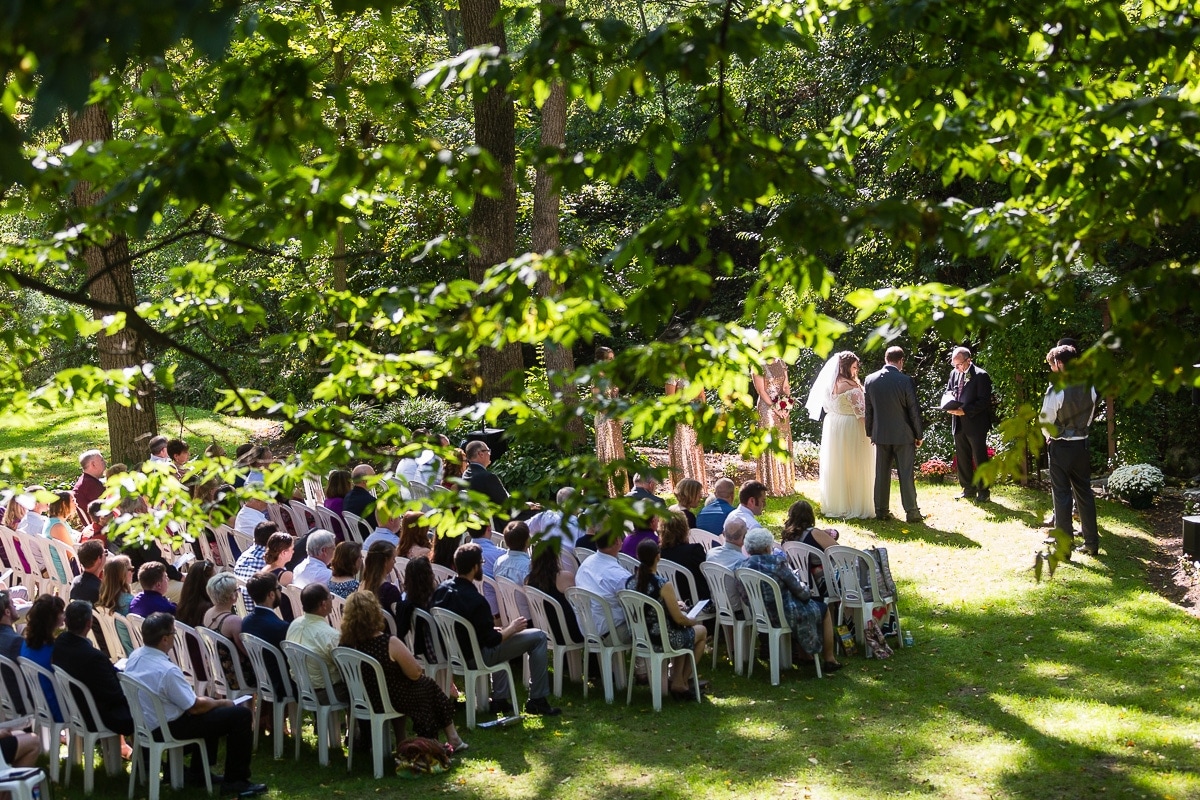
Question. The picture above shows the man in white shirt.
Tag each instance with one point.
(158, 450)
(315, 568)
(252, 512)
(556, 524)
(752, 500)
(312, 630)
(192, 717)
(602, 574)
(387, 529)
(425, 468)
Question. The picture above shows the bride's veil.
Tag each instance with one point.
(822, 388)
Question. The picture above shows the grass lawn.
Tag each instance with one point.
(1080, 687)
(52, 441)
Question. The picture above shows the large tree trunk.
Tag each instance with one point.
(111, 282)
(493, 223)
(546, 208)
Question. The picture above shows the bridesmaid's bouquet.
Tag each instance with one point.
(783, 405)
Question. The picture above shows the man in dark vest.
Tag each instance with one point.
(1069, 409)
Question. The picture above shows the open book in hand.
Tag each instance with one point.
(948, 402)
(697, 609)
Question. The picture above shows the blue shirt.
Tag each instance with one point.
(41, 657)
(712, 517)
(147, 603)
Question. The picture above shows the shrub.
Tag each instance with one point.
(807, 455)
(935, 467)
(1136, 483)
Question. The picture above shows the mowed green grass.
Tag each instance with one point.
(1080, 687)
(49, 442)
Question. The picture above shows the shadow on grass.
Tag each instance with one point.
(897, 531)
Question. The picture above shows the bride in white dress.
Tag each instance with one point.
(847, 467)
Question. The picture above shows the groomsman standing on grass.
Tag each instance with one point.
(893, 421)
(1070, 410)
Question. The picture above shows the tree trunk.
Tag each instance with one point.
(452, 22)
(546, 209)
(111, 281)
(493, 223)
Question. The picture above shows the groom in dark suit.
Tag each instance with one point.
(972, 387)
(893, 421)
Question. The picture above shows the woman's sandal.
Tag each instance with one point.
(831, 666)
(461, 747)
(682, 694)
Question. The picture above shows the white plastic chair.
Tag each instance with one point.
(106, 621)
(218, 681)
(276, 514)
(280, 697)
(513, 600)
(628, 562)
(13, 710)
(442, 574)
(542, 606)
(461, 663)
(739, 632)
(336, 610)
(779, 635)
(331, 522)
(78, 705)
(656, 653)
(182, 655)
(291, 596)
(221, 536)
(144, 737)
(353, 663)
(847, 567)
(51, 730)
(357, 528)
(437, 668)
(608, 649)
(702, 537)
(133, 624)
(301, 660)
(299, 514)
(798, 555)
(582, 553)
(314, 493)
(680, 576)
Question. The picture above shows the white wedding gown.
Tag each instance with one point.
(847, 469)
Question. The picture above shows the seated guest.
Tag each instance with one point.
(676, 547)
(20, 749)
(808, 618)
(337, 486)
(252, 514)
(96, 529)
(491, 554)
(91, 555)
(192, 717)
(514, 564)
(557, 524)
(56, 528)
(689, 493)
(419, 585)
(730, 556)
(43, 621)
(359, 500)
(312, 630)
(222, 590)
(90, 485)
(377, 568)
(643, 489)
(315, 568)
(801, 526)
(712, 517)
(497, 645)
(178, 453)
(32, 522)
(547, 575)
(414, 536)
(386, 529)
(10, 648)
(265, 623)
(681, 632)
(116, 594)
(158, 450)
(254, 559)
(74, 654)
(347, 561)
(152, 598)
(280, 549)
(644, 529)
(411, 692)
(194, 603)
(145, 550)
(752, 501)
(602, 574)
(425, 467)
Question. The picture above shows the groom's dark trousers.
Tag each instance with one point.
(904, 455)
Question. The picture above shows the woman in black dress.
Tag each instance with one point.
(412, 692)
(547, 575)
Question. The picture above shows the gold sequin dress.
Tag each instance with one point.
(778, 474)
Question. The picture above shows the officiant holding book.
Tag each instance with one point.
(968, 400)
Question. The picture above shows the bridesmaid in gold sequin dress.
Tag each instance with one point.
(687, 455)
(610, 441)
(779, 475)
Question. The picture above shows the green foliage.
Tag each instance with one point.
(424, 411)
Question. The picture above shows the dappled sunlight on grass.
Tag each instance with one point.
(1099, 726)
